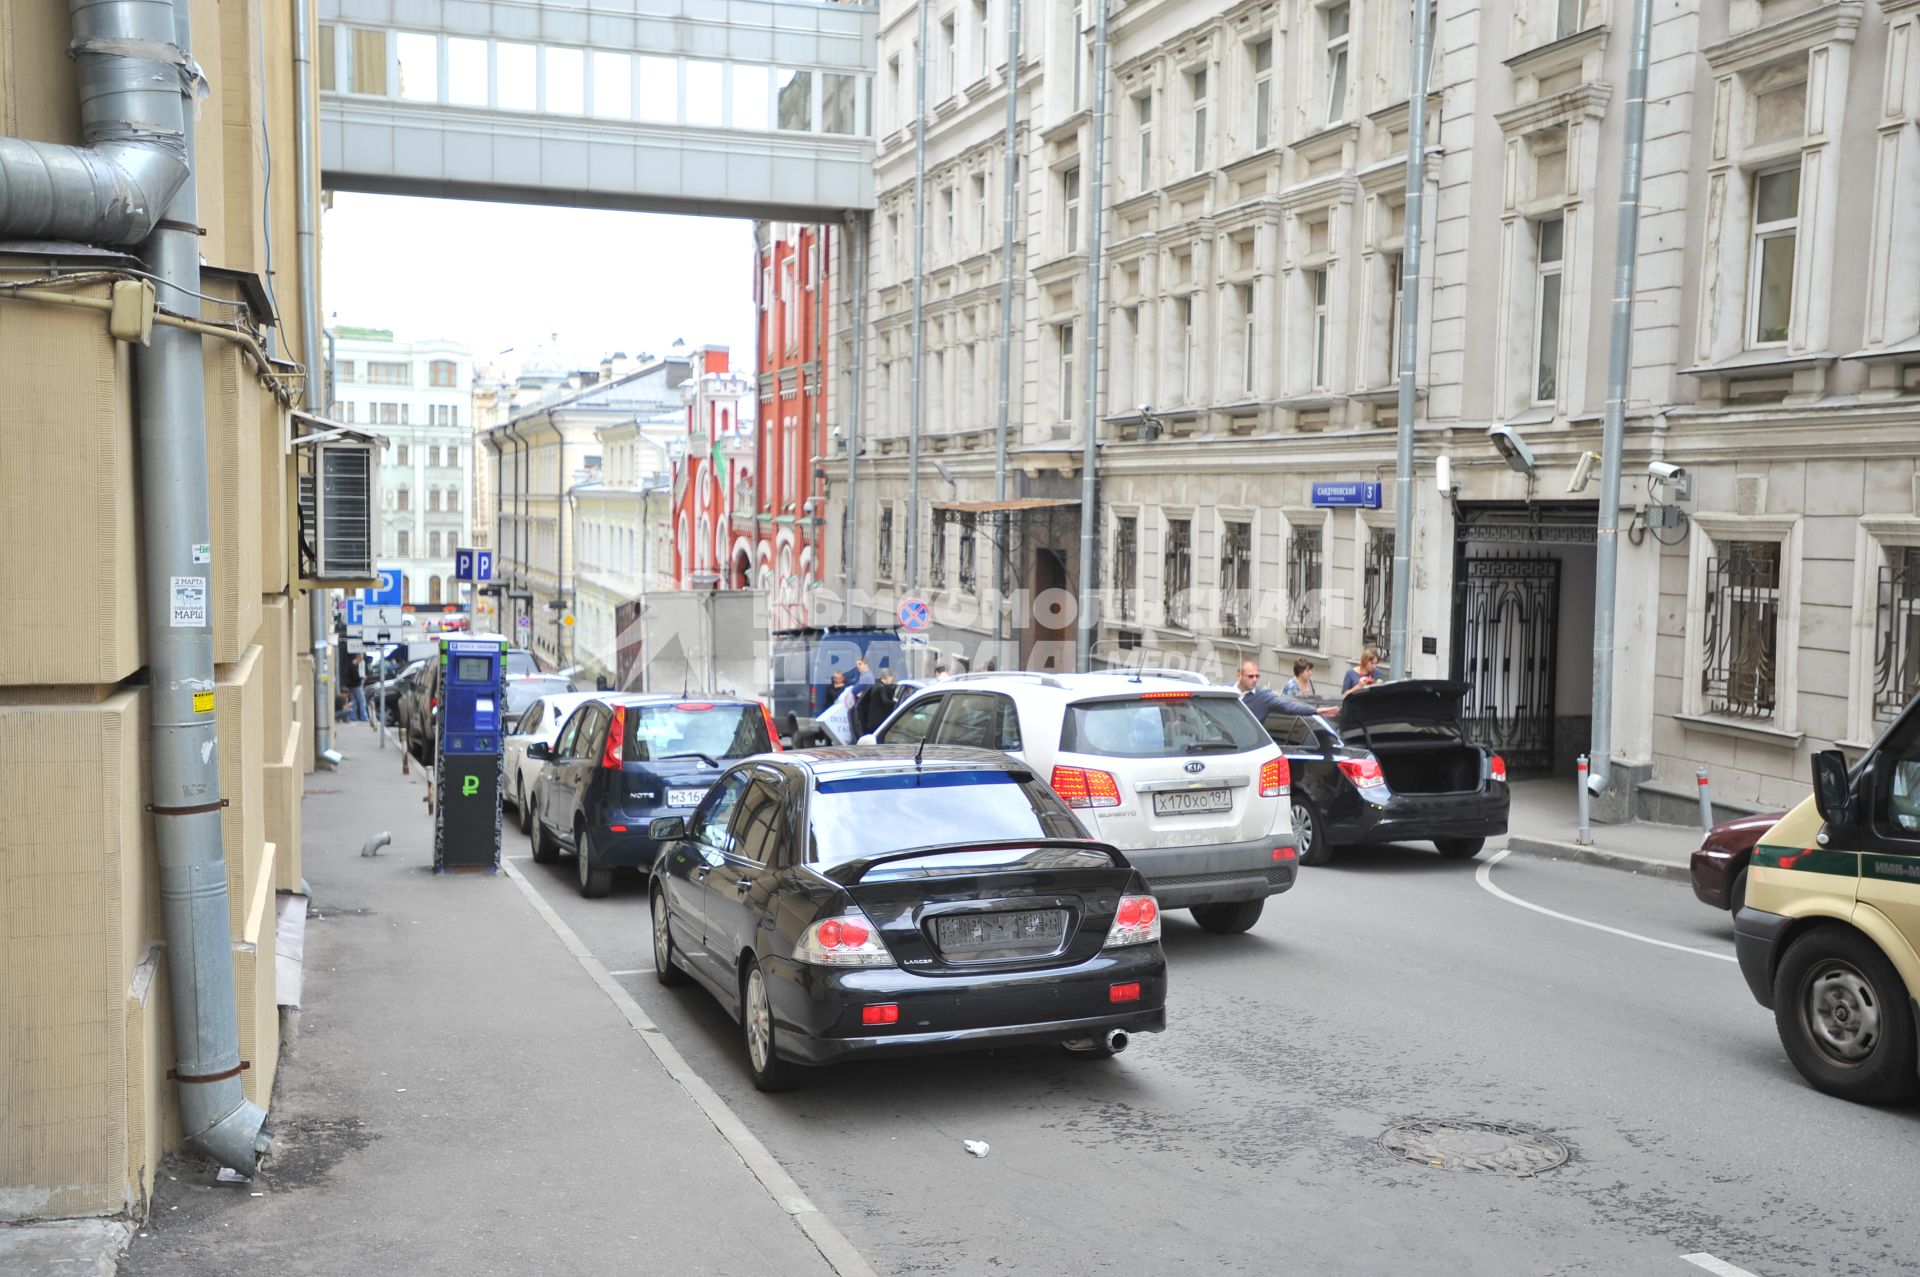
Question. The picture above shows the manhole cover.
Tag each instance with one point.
(1459, 1145)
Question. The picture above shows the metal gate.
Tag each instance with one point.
(1509, 609)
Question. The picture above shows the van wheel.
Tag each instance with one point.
(1460, 848)
(1844, 1017)
(1228, 919)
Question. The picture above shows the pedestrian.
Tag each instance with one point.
(355, 677)
(1261, 700)
(862, 676)
(939, 672)
(875, 703)
(837, 722)
(1300, 686)
(1362, 674)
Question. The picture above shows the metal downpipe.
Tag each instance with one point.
(912, 575)
(856, 255)
(183, 754)
(1089, 618)
(303, 149)
(1410, 267)
(1619, 366)
(1010, 210)
(133, 75)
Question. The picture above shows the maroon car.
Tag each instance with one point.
(1720, 864)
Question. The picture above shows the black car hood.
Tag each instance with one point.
(1409, 701)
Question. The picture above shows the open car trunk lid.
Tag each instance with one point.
(1409, 703)
(959, 909)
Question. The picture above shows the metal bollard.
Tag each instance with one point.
(1584, 835)
(1706, 800)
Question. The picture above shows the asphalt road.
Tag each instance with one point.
(1390, 986)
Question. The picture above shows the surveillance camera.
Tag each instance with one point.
(1512, 448)
(1582, 472)
(1671, 481)
(1443, 476)
(1146, 410)
(1665, 470)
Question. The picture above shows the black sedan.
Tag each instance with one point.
(872, 901)
(622, 760)
(1422, 780)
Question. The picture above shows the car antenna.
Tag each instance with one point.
(920, 751)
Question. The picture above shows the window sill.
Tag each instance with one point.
(1737, 730)
(1759, 362)
(1068, 127)
(1557, 55)
(1380, 396)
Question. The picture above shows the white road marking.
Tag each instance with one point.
(829, 1240)
(635, 971)
(1484, 876)
(1719, 1266)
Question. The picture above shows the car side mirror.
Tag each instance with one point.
(539, 749)
(667, 828)
(1832, 793)
(867, 739)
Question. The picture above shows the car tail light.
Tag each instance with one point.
(1497, 768)
(1136, 921)
(1364, 772)
(881, 1013)
(694, 706)
(611, 756)
(1275, 777)
(616, 829)
(773, 733)
(1086, 787)
(1128, 992)
(846, 941)
(1166, 696)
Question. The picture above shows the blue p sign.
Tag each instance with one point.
(483, 565)
(463, 564)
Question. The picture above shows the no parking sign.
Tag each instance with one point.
(914, 615)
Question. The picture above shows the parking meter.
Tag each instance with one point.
(466, 833)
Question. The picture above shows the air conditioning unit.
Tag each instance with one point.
(340, 509)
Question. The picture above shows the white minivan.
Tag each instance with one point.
(1175, 772)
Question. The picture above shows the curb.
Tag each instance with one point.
(1547, 849)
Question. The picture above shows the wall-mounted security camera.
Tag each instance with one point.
(1443, 476)
(1150, 427)
(1671, 482)
(1582, 472)
(1512, 448)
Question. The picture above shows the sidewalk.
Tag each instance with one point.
(462, 1096)
(1545, 818)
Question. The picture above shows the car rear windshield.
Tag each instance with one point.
(1154, 726)
(522, 692)
(519, 662)
(709, 729)
(873, 815)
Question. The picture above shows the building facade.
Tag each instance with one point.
(1254, 220)
(542, 458)
(784, 522)
(86, 1032)
(419, 396)
(625, 537)
(713, 479)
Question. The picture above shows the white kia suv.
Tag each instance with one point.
(1175, 772)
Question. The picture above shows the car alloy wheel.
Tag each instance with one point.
(664, 969)
(595, 880)
(770, 1072)
(1842, 1013)
(1308, 838)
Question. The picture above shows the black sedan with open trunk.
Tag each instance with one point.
(1399, 769)
(880, 900)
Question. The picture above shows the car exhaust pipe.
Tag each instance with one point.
(1117, 1040)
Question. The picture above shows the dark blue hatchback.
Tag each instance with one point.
(622, 760)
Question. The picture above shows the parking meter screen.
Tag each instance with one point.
(471, 669)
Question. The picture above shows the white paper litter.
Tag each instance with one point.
(290, 932)
(228, 1175)
(977, 1147)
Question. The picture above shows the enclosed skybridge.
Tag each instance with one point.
(738, 108)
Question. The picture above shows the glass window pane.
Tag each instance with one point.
(1263, 56)
(795, 90)
(566, 81)
(1337, 18)
(1262, 112)
(516, 82)
(749, 97)
(369, 62)
(419, 58)
(706, 98)
(836, 103)
(1546, 377)
(1337, 86)
(323, 53)
(466, 71)
(1777, 196)
(613, 85)
(1776, 289)
(1552, 236)
(659, 90)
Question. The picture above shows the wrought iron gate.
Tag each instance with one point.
(1509, 610)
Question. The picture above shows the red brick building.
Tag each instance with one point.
(713, 476)
(779, 540)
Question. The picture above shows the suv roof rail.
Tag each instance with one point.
(1152, 671)
(1045, 680)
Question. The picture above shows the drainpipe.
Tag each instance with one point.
(317, 609)
(1009, 210)
(133, 182)
(1619, 366)
(1090, 455)
(1399, 659)
(857, 274)
(912, 577)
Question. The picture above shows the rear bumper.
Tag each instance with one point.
(627, 850)
(1422, 817)
(1218, 873)
(817, 1009)
(1756, 942)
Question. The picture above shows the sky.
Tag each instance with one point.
(509, 277)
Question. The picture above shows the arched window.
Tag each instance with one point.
(433, 589)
